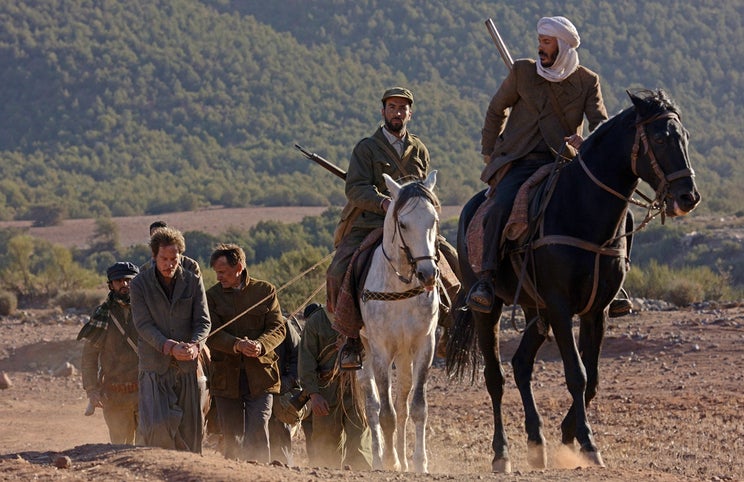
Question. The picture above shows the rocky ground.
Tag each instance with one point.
(669, 408)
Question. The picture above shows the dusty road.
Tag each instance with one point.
(669, 408)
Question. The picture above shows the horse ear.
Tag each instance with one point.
(392, 186)
(431, 180)
(637, 101)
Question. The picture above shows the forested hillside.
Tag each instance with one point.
(115, 107)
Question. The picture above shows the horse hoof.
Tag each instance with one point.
(537, 456)
(594, 457)
(501, 466)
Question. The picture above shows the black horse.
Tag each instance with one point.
(576, 264)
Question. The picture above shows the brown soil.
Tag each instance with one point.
(668, 409)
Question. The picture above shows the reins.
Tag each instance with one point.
(410, 260)
(653, 207)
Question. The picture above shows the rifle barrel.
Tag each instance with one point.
(327, 165)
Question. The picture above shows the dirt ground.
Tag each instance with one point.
(669, 408)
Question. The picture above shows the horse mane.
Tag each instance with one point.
(650, 103)
(415, 189)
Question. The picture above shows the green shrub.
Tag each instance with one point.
(684, 292)
(86, 300)
(8, 303)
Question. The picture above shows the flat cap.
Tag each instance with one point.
(398, 92)
(121, 270)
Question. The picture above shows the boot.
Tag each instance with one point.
(481, 295)
(621, 305)
(350, 355)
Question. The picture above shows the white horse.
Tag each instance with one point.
(400, 307)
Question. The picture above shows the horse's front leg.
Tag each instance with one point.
(403, 383)
(576, 379)
(523, 363)
(591, 336)
(487, 327)
(366, 379)
(382, 368)
(419, 407)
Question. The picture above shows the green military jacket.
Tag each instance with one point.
(317, 355)
(262, 322)
(365, 186)
(108, 358)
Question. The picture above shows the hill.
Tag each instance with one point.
(130, 108)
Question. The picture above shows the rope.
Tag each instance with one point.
(288, 283)
(309, 298)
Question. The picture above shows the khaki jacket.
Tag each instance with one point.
(184, 318)
(264, 323)
(365, 186)
(521, 113)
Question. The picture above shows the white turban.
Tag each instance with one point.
(568, 41)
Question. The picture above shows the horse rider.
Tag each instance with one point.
(539, 106)
(391, 150)
(109, 362)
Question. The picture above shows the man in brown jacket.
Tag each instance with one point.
(539, 107)
(169, 309)
(247, 326)
(109, 362)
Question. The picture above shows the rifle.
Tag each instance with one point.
(500, 45)
(328, 165)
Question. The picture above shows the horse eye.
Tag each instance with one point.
(660, 137)
(402, 226)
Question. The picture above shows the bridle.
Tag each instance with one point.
(410, 259)
(657, 205)
(411, 262)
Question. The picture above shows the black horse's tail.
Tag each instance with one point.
(462, 351)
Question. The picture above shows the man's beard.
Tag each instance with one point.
(124, 298)
(392, 128)
(550, 58)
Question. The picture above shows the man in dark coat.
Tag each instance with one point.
(169, 308)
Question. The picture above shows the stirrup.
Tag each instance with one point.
(483, 301)
(350, 356)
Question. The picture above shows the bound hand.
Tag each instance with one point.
(249, 348)
(185, 351)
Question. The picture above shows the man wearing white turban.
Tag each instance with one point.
(539, 107)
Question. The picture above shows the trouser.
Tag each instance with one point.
(340, 438)
(120, 412)
(501, 201)
(337, 269)
(280, 440)
(170, 412)
(244, 422)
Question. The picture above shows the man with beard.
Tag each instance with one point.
(539, 107)
(109, 362)
(391, 150)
